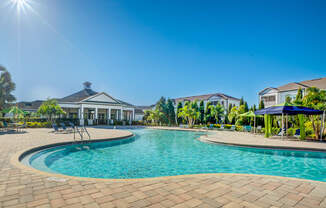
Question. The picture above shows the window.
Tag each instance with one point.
(268, 98)
(214, 102)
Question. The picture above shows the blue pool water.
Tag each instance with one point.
(154, 153)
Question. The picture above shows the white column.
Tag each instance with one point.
(133, 114)
(108, 112)
(122, 115)
(96, 113)
(81, 110)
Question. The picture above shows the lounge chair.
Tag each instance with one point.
(297, 133)
(64, 127)
(247, 128)
(55, 127)
(6, 126)
(23, 126)
(232, 128)
(222, 127)
(280, 132)
(259, 128)
(71, 124)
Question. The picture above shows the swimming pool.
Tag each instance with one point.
(155, 153)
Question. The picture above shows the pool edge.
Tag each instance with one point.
(15, 160)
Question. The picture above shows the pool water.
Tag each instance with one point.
(155, 153)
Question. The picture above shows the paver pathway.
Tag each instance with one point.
(249, 139)
(23, 188)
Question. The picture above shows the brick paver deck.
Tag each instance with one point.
(25, 188)
(258, 140)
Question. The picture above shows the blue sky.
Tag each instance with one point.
(140, 50)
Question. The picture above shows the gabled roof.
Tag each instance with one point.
(78, 96)
(86, 94)
(203, 97)
(125, 103)
(30, 106)
(291, 86)
(272, 88)
(319, 83)
(139, 111)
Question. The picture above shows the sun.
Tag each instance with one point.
(20, 4)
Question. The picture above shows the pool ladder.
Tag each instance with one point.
(81, 131)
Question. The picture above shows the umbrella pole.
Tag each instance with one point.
(286, 123)
(254, 124)
(322, 123)
(282, 132)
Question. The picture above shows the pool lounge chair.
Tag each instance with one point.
(7, 127)
(222, 127)
(280, 132)
(55, 127)
(232, 128)
(65, 128)
(247, 128)
(297, 133)
(23, 126)
(259, 128)
(71, 124)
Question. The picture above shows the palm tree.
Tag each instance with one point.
(51, 109)
(155, 116)
(189, 113)
(6, 88)
(217, 112)
(315, 98)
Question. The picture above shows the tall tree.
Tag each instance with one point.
(170, 111)
(234, 113)
(202, 111)
(288, 99)
(246, 107)
(50, 109)
(261, 105)
(179, 106)
(241, 101)
(230, 107)
(299, 97)
(208, 117)
(7, 86)
(315, 98)
(161, 105)
(254, 108)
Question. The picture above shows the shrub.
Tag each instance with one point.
(275, 130)
(291, 131)
(239, 128)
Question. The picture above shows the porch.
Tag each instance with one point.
(100, 115)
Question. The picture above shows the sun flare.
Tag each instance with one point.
(20, 5)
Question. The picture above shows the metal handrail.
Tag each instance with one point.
(81, 133)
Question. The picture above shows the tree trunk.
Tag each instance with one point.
(314, 126)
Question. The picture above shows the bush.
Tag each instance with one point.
(275, 130)
(291, 131)
(239, 128)
(32, 122)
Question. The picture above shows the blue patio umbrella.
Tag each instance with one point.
(287, 109)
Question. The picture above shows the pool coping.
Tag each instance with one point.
(15, 160)
(312, 149)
